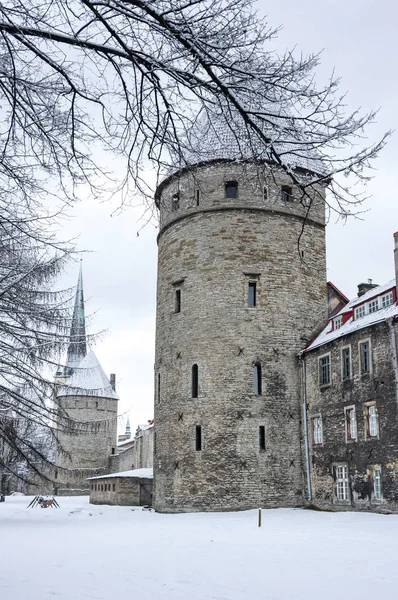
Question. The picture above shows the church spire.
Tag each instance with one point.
(77, 349)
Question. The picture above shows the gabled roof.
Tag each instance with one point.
(328, 334)
(88, 379)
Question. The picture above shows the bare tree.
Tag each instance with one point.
(135, 76)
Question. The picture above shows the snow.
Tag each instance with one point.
(144, 473)
(84, 552)
(89, 379)
(328, 334)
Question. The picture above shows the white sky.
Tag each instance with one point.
(359, 41)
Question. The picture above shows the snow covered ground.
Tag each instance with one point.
(81, 552)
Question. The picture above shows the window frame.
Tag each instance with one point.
(323, 384)
(231, 185)
(345, 483)
(348, 428)
(377, 495)
(361, 345)
(369, 418)
(344, 376)
(338, 322)
(195, 381)
(257, 379)
(286, 193)
(177, 300)
(261, 438)
(252, 284)
(198, 438)
(317, 419)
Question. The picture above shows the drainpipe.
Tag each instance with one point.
(394, 353)
(306, 441)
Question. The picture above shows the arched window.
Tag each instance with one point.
(195, 381)
(257, 379)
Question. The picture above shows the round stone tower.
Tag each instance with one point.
(241, 290)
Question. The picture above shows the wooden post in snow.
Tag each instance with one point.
(259, 517)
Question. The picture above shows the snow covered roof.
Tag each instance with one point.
(88, 379)
(329, 333)
(142, 473)
(226, 138)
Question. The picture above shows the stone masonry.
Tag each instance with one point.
(234, 446)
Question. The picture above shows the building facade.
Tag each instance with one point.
(350, 374)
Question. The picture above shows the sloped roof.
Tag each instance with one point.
(88, 379)
(328, 334)
(225, 137)
(142, 473)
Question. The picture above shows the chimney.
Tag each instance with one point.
(396, 260)
(365, 287)
(112, 381)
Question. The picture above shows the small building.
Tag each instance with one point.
(127, 488)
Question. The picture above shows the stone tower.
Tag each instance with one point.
(88, 400)
(237, 299)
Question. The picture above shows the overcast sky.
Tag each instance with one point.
(359, 41)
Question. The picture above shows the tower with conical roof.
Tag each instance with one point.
(87, 403)
(237, 299)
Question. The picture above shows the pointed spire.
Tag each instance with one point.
(77, 349)
(128, 429)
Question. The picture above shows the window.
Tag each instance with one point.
(364, 356)
(342, 492)
(252, 294)
(286, 193)
(373, 306)
(197, 197)
(338, 322)
(371, 423)
(360, 312)
(177, 301)
(351, 424)
(158, 390)
(113, 486)
(265, 192)
(346, 363)
(198, 438)
(175, 201)
(386, 300)
(377, 483)
(195, 381)
(324, 370)
(231, 189)
(261, 437)
(257, 379)
(317, 431)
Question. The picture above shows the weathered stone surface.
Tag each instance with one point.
(363, 454)
(210, 253)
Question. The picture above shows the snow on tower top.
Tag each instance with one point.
(226, 137)
(89, 379)
(77, 349)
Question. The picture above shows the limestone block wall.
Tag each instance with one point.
(364, 453)
(211, 252)
(121, 491)
(143, 448)
(87, 445)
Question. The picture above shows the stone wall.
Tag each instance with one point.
(365, 453)
(211, 252)
(143, 447)
(84, 449)
(121, 491)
